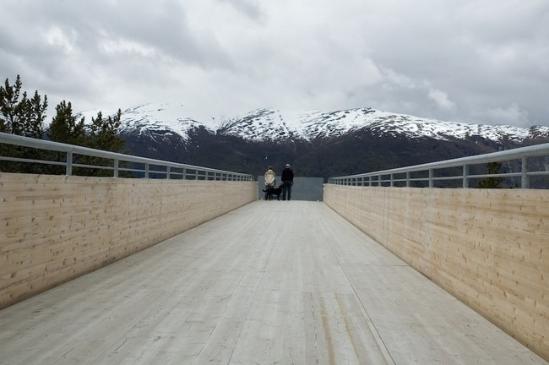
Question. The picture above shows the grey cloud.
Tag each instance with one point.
(465, 60)
(249, 8)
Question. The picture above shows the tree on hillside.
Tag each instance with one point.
(66, 127)
(9, 105)
(19, 114)
(491, 182)
(105, 132)
(22, 116)
(35, 114)
(25, 116)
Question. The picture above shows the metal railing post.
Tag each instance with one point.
(196, 174)
(407, 179)
(524, 181)
(184, 174)
(431, 181)
(168, 171)
(146, 171)
(115, 168)
(465, 176)
(68, 164)
(369, 181)
(391, 182)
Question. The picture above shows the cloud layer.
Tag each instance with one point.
(465, 60)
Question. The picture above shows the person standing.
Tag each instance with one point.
(270, 180)
(287, 182)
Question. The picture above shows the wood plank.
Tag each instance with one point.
(58, 224)
(487, 247)
(271, 282)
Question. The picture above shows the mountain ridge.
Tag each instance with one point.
(272, 124)
(317, 143)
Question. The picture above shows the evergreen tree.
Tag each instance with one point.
(491, 182)
(35, 114)
(9, 102)
(105, 132)
(23, 117)
(65, 126)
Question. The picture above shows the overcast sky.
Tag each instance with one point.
(465, 60)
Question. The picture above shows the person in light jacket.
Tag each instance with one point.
(287, 182)
(270, 180)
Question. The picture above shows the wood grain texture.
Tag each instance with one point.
(54, 228)
(269, 283)
(489, 248)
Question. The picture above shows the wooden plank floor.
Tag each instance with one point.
(269, 283)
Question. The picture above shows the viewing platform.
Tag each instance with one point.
(271, 282)
(156, 262)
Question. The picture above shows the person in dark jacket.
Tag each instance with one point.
(287, 182)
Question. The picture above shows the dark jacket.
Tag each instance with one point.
(287, 175)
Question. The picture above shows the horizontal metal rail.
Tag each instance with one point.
(521, 154)
(188, 172)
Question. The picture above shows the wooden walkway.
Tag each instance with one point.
(269, 283)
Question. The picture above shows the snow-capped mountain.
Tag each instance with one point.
(159, 117)
(316, 143)
(273, 125)
(341, 122)
(258, 125)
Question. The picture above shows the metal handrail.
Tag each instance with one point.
(522, 154)
(71, 150)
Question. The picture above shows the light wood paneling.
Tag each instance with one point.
(54, 228)
(489, 248)
(274, 282)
